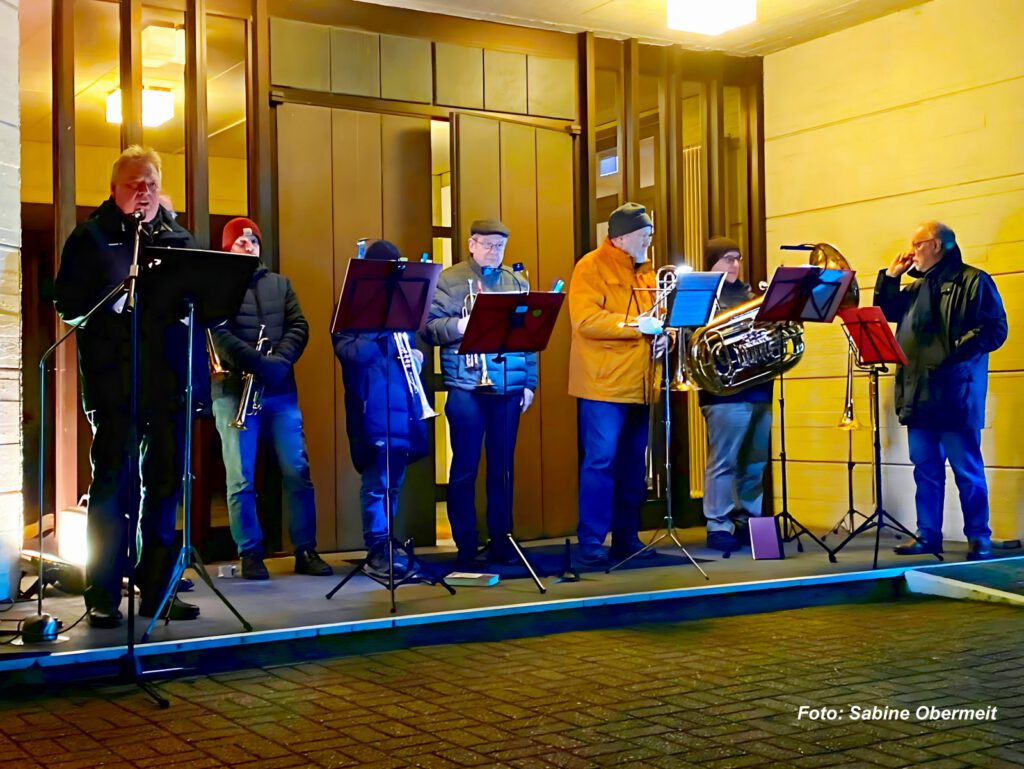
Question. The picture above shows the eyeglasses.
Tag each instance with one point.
(918, 243)
(734, 259)
(498, 245)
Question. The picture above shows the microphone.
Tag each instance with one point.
(517, 268)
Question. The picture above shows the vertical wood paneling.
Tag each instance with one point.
(519, 213)
(306, 246)
(356, 194)
(355, 62)
(477, 169)
(300, 55)
(459, 75)
(555, 258)
(504, 81)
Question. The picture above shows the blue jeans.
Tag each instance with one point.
(739, 445)
(371, 494)
(612, 475)
(281, 418)
(481, 420)
(929, 450)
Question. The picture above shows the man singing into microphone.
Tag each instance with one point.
(95, 259)
(481, 412)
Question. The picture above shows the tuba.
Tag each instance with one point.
(733, 352)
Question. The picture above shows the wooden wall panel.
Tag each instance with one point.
(519, 212)
(406, 71)
(478, 170)
(859, 150)
(504, 81)
(459, 75)
(551, 89)
(355, 62)
(555, 243)
(356, 213)
(306, 245)
(406, 213)
(300, 55)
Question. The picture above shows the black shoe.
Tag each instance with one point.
(309, 562)
(501, 553)
(104, 618)
(377, 562)
(466, 557)
(723, 540)
(253, 567)
(175, 610)
(592, 555)
(921, 547)
(980, 549)
(620, 551)
(742, 534)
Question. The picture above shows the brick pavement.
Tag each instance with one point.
(719, 694)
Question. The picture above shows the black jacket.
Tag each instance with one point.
(269, 301)
(948, 321)
(96, 257)
(733, 294)
(371, 370)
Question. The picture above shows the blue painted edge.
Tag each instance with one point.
(113, 653)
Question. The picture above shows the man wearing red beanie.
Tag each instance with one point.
(271, 311)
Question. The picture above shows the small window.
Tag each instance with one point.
(608, 165)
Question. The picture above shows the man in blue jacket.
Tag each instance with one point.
(948, 321)
(380, 407)
(480, 415)
(270, 304)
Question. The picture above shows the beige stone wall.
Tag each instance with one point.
(10, 302)
(914, 116)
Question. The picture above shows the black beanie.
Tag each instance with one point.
(627, 218)
(716, 249)
(383, 250)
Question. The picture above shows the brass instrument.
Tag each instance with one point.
(217, 370)
(252, 393)
(665, 281)
(412, 376)
(475, 360)
(732, 352)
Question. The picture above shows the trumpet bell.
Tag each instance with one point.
(849, 423)
(827, 256)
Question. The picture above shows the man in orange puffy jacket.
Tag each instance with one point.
(610, 373)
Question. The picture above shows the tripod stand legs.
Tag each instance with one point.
(670, 532)
(415, 573)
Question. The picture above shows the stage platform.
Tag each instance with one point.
(293, 620)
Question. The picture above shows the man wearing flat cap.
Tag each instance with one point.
(610, 372)
(486, 394)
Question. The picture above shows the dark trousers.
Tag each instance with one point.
(374, 488)
(612, 474)
(161, 443)
(481, 420)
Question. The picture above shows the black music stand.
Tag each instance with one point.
(876, 346)
(511, 322)
(389, 297)
(690, 306)
(209, 286)
(800, 294)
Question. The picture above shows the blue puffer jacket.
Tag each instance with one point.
(269, 301)
(442, 330)
(370, 369)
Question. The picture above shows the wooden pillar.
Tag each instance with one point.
(586, 142)
(131, 72)
(197, 162)
(261, 131)
(630, 171)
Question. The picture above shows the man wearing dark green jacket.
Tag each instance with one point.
(948, 321)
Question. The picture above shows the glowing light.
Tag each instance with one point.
(710, 17)
(157, 106)
(72, 544)
(162, 45)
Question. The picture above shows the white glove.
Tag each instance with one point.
(650, 326)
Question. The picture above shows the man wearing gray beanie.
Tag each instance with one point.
(610, 368)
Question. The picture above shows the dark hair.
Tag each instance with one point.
(383, 250)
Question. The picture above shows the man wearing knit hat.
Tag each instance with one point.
(610, 372)
(480, 416)
(270, 309)
(739, 428)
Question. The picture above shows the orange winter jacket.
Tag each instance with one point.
(608, 362)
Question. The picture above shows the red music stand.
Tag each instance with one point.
(876, 348)
(504, 322)
(806, 294)
(387, 297)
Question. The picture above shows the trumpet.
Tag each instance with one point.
(217, 370)
(412, 377)
(475, 360)
(252, 393)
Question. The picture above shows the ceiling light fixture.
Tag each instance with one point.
(162, 45)
(710, 17)
(157, 106)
